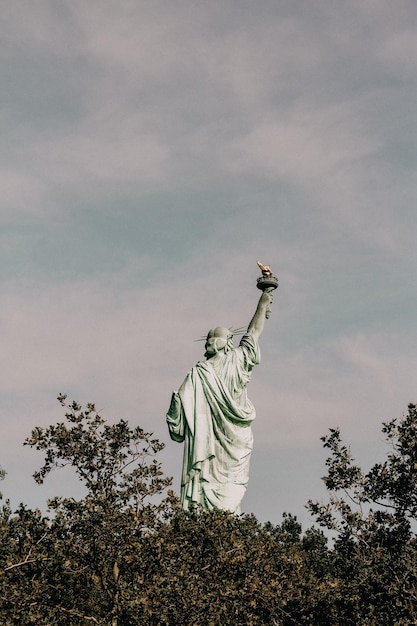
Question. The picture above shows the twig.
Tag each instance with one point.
(74, 612)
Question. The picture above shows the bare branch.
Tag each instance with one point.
(27, 560)
(77, 614)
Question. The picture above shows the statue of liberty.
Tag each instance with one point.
(212, 414)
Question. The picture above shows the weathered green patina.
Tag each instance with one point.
(212, 415)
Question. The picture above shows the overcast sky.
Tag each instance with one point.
(151, 152)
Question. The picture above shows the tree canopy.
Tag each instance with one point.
(126, 554)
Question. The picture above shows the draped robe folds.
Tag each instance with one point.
(212, 415)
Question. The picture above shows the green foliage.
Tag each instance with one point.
(78, 560)
(2, 477)
(126, 554)
(373, 514)
(215, 568)
(111, 460)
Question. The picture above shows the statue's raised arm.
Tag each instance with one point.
(263, 311)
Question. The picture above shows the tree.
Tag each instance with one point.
(79, 561)
(126, 554)
(214, 569)
(120, 556)
(373, 515)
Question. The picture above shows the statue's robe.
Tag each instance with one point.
(212, 415)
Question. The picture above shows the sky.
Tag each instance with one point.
(152, 151)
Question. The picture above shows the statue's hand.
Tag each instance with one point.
(266, 300)
(267, 296)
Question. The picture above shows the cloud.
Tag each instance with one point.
(20, 193)
(146, 110)
(395, 49)
(152, 152)
(126, 153)
(307, 146)
(93, 337)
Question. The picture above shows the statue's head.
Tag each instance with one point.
(219, 339)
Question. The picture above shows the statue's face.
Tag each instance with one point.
(216, 341)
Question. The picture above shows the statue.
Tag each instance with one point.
(212, 414)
